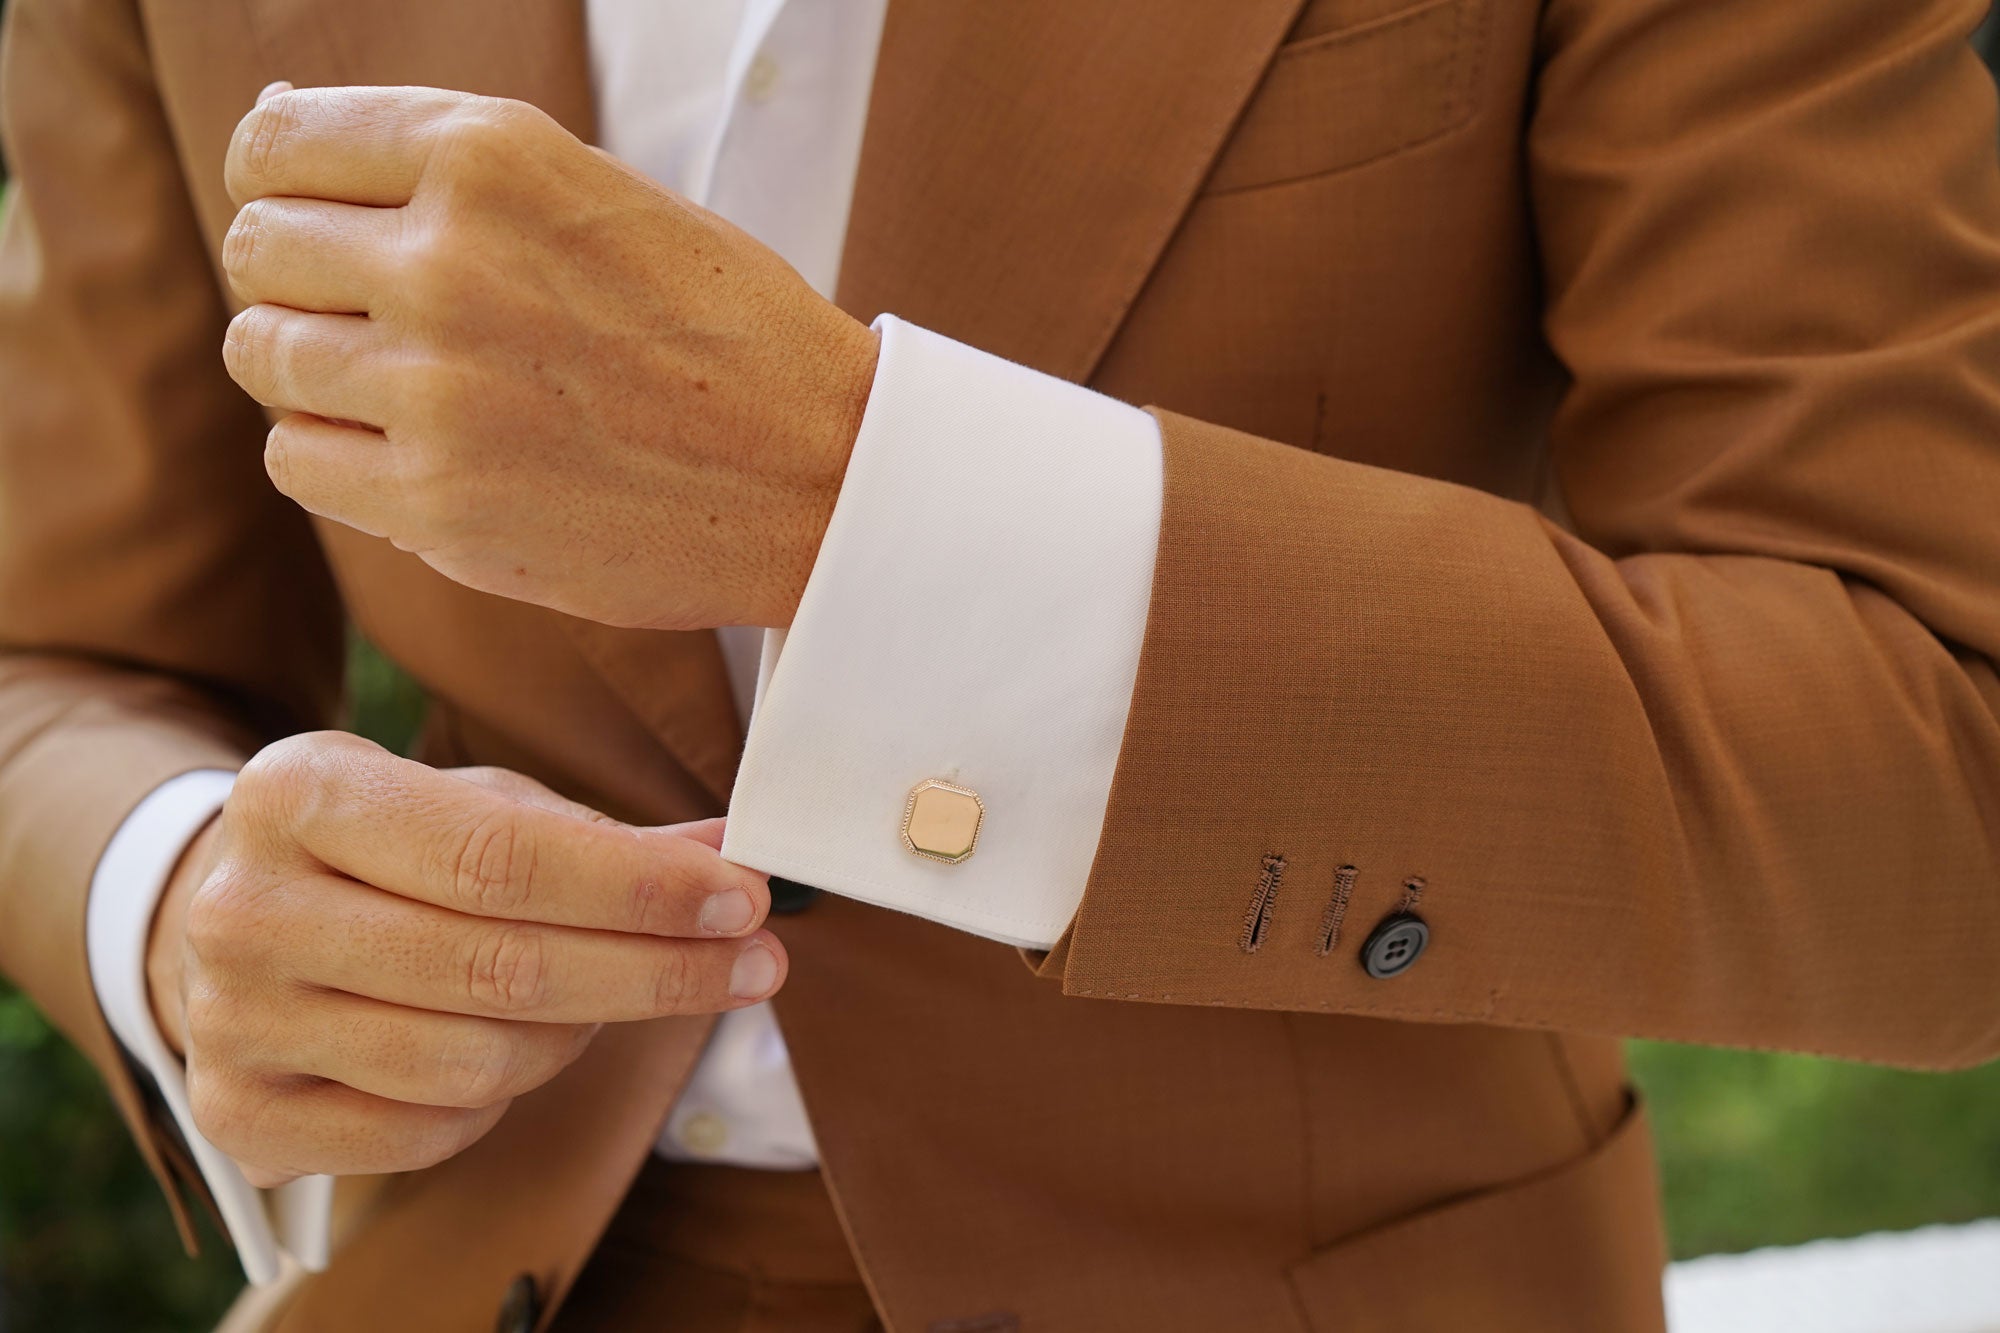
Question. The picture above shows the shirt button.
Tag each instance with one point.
(704, 1134)
(762, 78)
(1395, 946)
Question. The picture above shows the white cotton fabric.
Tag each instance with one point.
(976, 615)
(124, 891)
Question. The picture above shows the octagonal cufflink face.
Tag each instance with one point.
(941, 820)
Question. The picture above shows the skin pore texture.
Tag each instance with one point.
(553, 380)
(523, 361)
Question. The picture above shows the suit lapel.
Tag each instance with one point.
(536, 51)
(1024, 166)
(1026, 163)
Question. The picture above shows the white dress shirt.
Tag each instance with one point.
(1027, 507)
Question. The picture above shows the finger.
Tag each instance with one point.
(707, 832)
(407, 828)
(271, 90)
(358, 145)
(312, 254)
(282, 1129)
(419, 1056)
(521, 787)
(403, 952)
(336, 366)
(343, 472)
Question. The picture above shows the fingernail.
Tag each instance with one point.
(756, 971)
(727, 913)
(271, 90)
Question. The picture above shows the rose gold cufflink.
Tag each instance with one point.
(941, 820)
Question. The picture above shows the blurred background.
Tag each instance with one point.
(1755, 1149)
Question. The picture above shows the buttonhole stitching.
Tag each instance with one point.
(1336, 910)
(1257, 921)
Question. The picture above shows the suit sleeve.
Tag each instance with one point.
(161, 609)
(1717, 761)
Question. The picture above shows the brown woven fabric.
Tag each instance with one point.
(1580, 424)
(717, 1249)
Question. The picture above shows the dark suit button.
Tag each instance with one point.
(788, 896)
(1395, 946)
(521, 1309)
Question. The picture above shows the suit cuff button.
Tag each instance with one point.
(1395, 946)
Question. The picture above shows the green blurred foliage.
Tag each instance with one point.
(1755, 1149)
(86, 1246)
(1758, 1149)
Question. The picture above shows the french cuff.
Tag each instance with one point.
(937, 731)
(124, 891)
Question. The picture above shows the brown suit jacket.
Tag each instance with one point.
(1582, 425)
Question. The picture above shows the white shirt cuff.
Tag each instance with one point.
(124, 891)
(975, 615)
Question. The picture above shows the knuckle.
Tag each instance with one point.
(486, 142)
(472, 139)
(291, 781)
(693, 870)
(513, 112)
(476, 1070)
(222, 1113)
(271, 129)
(221, 923)
(243, 347)
(278, 458)
(494, 872)
(673, 982)
(422, 262)
(282, 776)
(230, 1036)
(260, 349)
(280, 340)
(240, 244)
(209, 1019)
(508, 970)
(441, 1135)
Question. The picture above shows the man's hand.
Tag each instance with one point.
(365, 959)
(550, 378)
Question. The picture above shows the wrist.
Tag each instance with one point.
(167, 937)
(828, 442)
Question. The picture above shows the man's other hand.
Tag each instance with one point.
(523, 361)
(365, 959)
